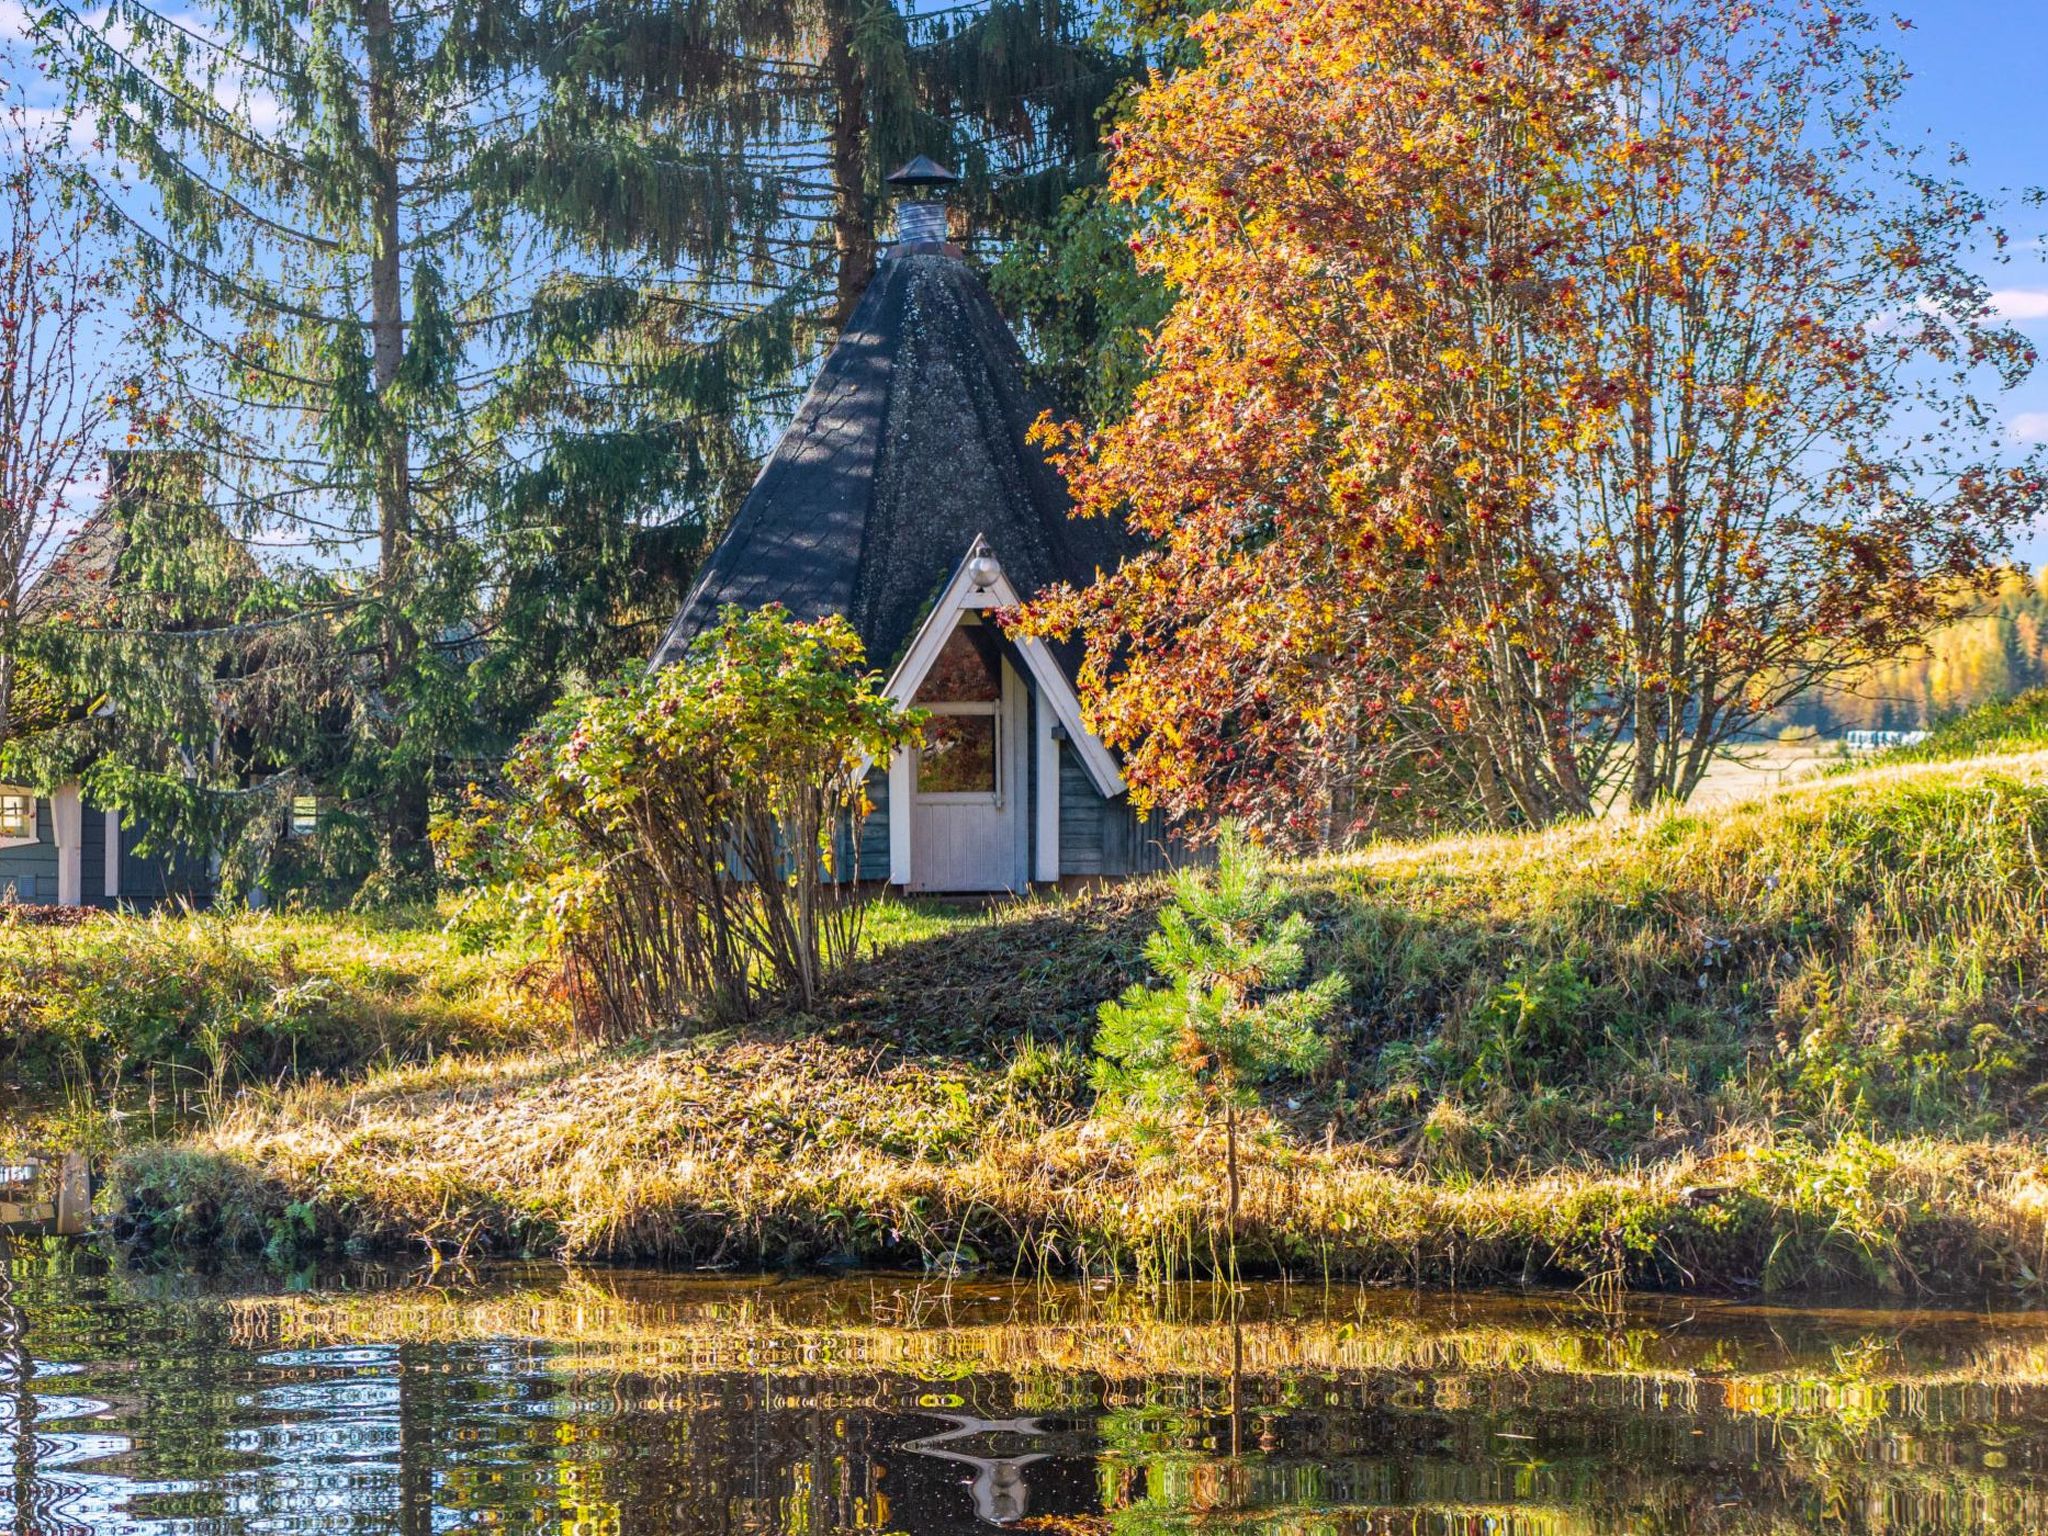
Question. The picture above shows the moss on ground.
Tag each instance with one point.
(1793, 1044)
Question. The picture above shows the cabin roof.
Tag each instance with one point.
(81, 582)
(78, 581)
(909, 444)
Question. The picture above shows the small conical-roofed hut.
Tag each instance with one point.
(907, 497)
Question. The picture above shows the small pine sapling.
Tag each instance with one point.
(1227, 1015)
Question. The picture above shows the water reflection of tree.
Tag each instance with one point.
(17, 1377)
(1212, 1460)
(797, 1422)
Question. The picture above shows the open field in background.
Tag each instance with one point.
(2004, 726)
(1788, 1043)
(1764, 767)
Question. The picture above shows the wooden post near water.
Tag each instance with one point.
(45, 1192)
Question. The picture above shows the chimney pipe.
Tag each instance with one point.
(921, 219)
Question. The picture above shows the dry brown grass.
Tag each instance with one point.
(755, 1153)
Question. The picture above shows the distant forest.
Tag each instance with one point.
(1998, 650)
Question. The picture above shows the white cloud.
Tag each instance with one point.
(2028, 427)
(2020, 304)
(266, 112)
(47, 124)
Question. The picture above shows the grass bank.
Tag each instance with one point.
(167, 1015)
(1795, 1044)
(2001, 726)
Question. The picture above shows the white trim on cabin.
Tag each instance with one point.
(1016, 751)
(67, 829)
(1046, 744)
(979, 582)
(902, 797)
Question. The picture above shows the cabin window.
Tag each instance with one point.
(17, 816)
(959, 755)
(304, 816)
(962, 739)
(969, 670)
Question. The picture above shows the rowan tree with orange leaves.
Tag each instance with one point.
(1552, 390)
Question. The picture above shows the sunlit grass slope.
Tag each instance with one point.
(167, 1014)
(2017, 724)
(1797, 1042)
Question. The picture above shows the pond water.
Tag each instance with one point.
(598, 1402)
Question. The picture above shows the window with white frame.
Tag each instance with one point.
(963, 693)
(17, 815)
(304, 816)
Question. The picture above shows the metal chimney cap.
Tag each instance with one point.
(923, 171)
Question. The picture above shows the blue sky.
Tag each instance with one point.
(1980, 80)
(1980, 68)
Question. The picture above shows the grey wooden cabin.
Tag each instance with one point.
(59, 850)
(56, 847)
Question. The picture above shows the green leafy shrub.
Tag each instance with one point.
(685, 836)
(1536, 1016)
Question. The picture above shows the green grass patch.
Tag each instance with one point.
(2017, 724)
(1864, 955)
(165, 1015)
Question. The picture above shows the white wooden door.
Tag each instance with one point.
(958, 847)
(967, 805)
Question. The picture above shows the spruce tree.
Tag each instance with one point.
(490, 309)
(722, 165)
(1227, 1016)
(350, 291)
(717, 170)
(1066, 275)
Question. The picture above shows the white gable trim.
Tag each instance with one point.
(67, 828)
(902, 802)
(1046, 868)
(979, 582)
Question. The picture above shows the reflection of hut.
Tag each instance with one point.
(40, 1193)
(1001, 1496)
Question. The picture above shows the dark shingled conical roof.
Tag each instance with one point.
(910, 443)
(81, 581)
